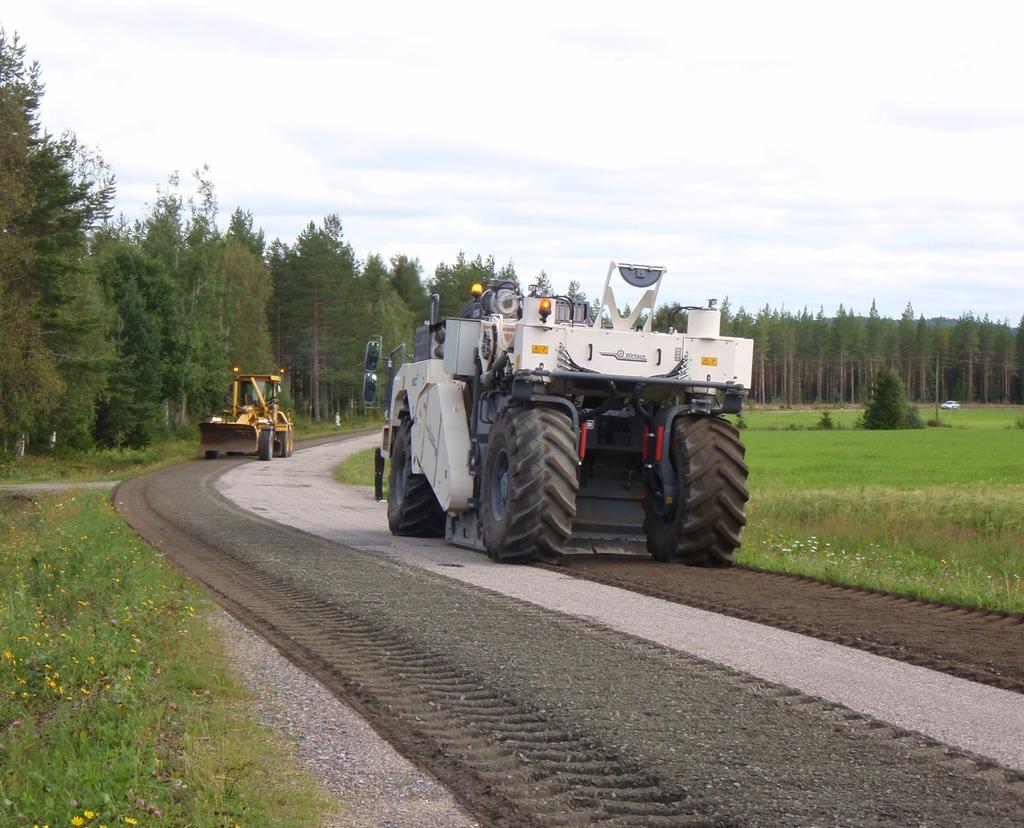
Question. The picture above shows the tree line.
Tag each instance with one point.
(807, 358)
(116, 333)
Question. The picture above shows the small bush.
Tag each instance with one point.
(740, 422)
(934, 422)
(887, 407)
(1020, 422)
(826, 421)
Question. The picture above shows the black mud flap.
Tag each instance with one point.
(378, 474)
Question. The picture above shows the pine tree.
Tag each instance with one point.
(452, 283)
(52, 193)
(406, 279)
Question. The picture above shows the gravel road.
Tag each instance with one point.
(374, 784)
(973, 717)
(550, 715)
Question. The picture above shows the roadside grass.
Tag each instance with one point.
(357, 470)
(115, 704)
(117, 464)
(933, 513)
(942, 543)
(99, 464)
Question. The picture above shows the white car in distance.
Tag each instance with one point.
(950, 405)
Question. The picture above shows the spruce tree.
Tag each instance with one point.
(887, 406)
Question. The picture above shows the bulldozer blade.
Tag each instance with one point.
(229, 437)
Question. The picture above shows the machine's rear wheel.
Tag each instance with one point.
(528, 492)
(283, 443)
(705, 530)
(265, 444)
(413, 509)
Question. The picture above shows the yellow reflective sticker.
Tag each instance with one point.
(705, 360)
(539, 349)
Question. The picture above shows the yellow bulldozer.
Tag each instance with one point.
(253, 422)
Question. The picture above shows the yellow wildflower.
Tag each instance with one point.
(88, 814)
(77, 820)
(130, 820)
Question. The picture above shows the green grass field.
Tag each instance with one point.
(937, 513)
(772, 419)
(115, 705)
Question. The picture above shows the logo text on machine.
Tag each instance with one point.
(625, 356)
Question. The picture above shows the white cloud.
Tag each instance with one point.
(783, 153)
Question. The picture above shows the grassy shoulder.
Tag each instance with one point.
(115, 704)
(357, 470)
(117, 464)
(936, 513)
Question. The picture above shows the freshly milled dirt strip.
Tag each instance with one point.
(533, 718)
(979, 645)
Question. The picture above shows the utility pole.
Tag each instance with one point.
(936, 385)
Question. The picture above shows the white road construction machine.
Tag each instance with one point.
(527, 430)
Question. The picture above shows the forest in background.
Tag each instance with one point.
(116, 333)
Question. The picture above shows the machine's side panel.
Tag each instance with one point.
(461, 338)
(719, 360)
(440, 444)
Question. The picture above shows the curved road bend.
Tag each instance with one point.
(539, 699)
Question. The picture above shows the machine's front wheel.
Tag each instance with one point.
(211, 455)
(528, 492)
(265, 444)
(413, 509)
(707, 456)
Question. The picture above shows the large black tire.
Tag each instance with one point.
(265, 444)
(705, 530)
(211, 455)
(283, 443)
(413, 510)
(528, 492)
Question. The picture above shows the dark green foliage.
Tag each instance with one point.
(887, 407)
(52, 193)
(406, 278)
(1020, 360)
(452, 282)
(131, 411)
(826, 422)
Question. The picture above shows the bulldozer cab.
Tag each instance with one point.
(261, 391)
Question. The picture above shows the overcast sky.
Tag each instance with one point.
(776, 153)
